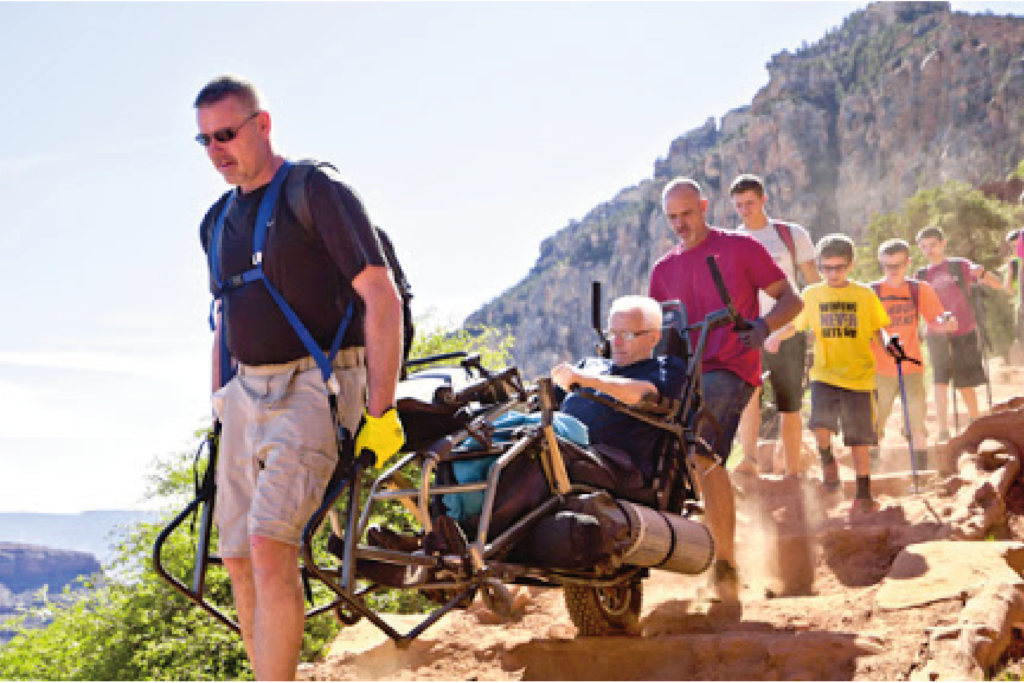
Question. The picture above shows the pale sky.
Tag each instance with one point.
(471, 130)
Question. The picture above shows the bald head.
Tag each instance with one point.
(682, 185)
(684, 205)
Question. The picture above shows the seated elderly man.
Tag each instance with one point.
(634, 328)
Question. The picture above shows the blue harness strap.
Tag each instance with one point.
(264, 220)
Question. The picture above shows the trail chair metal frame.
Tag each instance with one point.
(454, 576)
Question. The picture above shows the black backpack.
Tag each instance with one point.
(298, 202)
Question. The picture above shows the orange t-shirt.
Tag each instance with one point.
(900, 307)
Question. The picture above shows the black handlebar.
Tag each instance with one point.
(732, 315)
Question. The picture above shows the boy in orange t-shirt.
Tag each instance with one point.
(906, 302)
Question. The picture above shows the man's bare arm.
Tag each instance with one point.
(788, 304)
(810, 272)
(382, 330)
(628, 391)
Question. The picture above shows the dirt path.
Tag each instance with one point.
(816, 603)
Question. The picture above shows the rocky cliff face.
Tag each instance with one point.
(26, 567)
(901, 97)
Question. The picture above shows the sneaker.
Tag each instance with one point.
(830, 476)
(863, 506)
(726, 581)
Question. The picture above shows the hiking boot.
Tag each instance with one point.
(446, 538)
(863, 506)
(830, 476)
(726, 582)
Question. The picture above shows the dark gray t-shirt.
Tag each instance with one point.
(313, 270)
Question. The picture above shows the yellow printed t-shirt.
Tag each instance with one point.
(904, 321)
(844, 321)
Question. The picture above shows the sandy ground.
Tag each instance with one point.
(809, 609)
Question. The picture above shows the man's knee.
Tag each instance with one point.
(273, 558)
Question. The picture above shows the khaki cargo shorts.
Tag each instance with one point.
(888, 389)
(277, 447)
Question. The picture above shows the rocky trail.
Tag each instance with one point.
(928, 588)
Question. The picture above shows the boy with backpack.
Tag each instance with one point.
(906, 301)
(790, 246)
(845, 317)
(955, 355)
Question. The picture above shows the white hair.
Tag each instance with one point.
(648, 308)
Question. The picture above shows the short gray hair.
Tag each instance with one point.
(230, 85)
(648, 308)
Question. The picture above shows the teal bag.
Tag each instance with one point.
(462, 506)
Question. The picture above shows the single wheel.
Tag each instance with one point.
(497, 597)
(605, 611)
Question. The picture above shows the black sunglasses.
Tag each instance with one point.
(224, 134)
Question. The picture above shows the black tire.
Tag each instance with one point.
(605, 611)
(497, 598)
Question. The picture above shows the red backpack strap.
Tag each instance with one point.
(786, 235)
(915, 294)
(958, 268)
(915, 290)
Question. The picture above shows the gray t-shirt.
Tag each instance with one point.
(769, 238)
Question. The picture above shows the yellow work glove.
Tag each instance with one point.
(383, 435)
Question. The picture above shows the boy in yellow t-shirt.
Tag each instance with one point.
(845, 316)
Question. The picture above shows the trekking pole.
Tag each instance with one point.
(952, 385)
(896, 351)
(983, 342)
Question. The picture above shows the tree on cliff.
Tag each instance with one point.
(132, 626)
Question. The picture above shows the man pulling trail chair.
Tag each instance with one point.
(547, 511)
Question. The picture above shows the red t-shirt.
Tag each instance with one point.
(951, 295)
(746, 267)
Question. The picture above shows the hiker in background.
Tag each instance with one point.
(791, 247)
(278, 446)
(731, 367)
(1012, 283)
(906, 302)
(845, 316)
(955, 355)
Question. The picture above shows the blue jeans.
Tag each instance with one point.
(725, 395)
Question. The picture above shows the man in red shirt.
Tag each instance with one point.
(731, 366)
